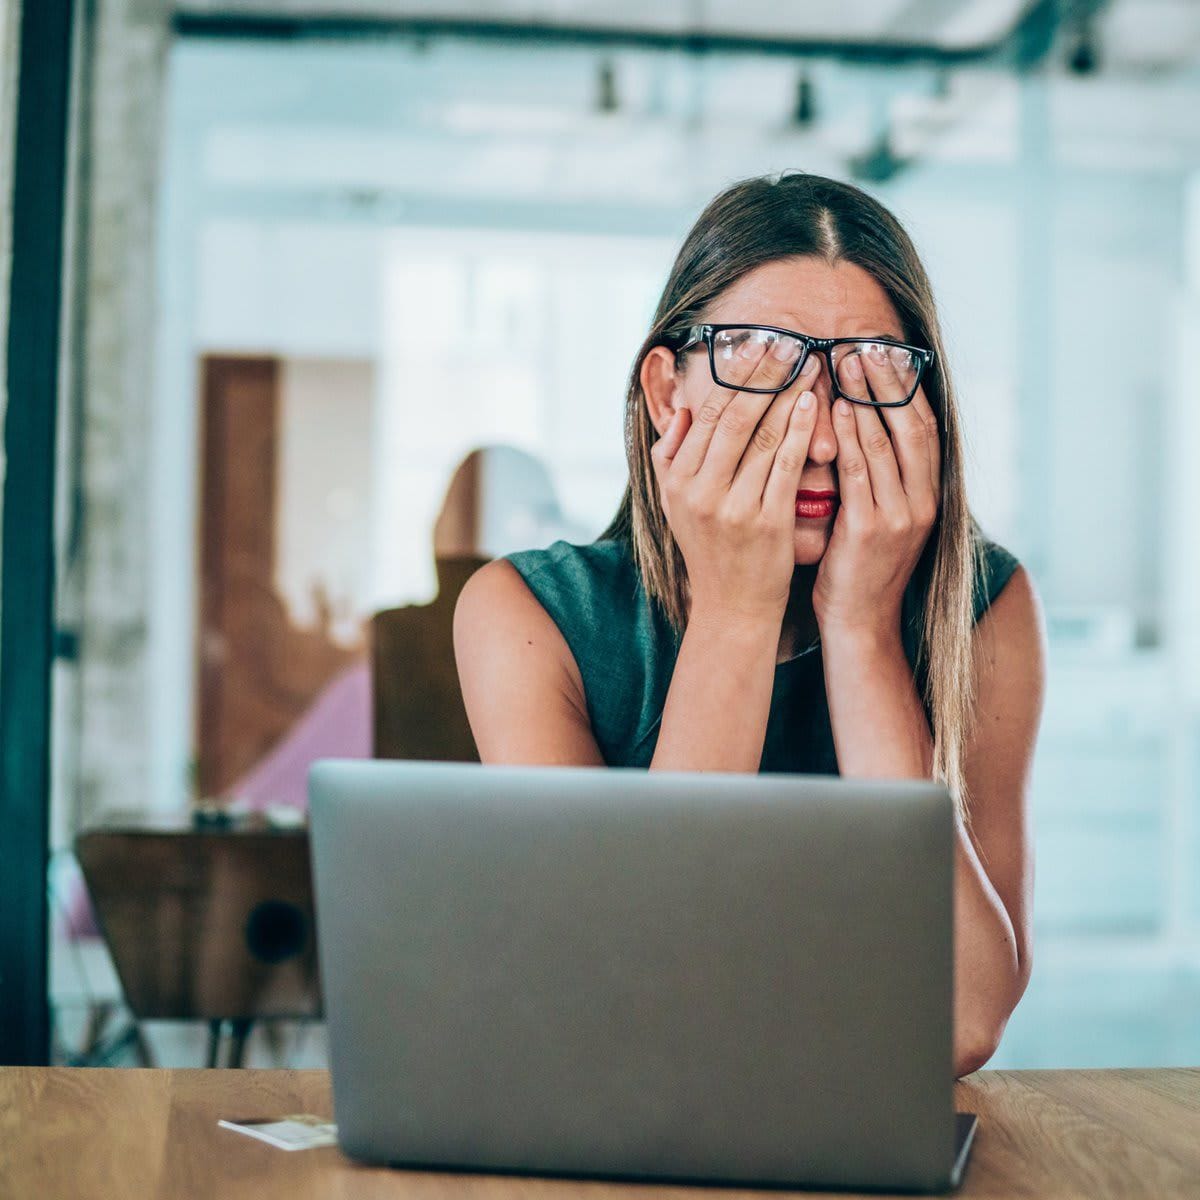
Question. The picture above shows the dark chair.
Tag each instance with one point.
(418, 706)
(212, 924)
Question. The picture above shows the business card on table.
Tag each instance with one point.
(298, 1131)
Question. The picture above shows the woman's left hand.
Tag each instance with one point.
(890, 492)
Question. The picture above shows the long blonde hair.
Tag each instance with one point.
(756, 221)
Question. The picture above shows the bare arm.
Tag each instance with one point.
(525, 698)
(880, 730)
(715, 717)
(520, 682)
(1010, 661)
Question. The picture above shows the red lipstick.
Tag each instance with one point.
(815, 505)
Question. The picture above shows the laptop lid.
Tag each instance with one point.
(609, 971)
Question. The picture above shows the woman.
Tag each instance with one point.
(730, 620)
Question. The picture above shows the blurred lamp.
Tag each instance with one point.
(805, 111)
(1084, 57)
(606, 88)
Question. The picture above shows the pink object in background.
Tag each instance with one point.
(337, 725)
(76, 918)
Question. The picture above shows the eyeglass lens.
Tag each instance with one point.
(871, 372)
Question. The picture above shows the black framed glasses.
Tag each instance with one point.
(766, 358)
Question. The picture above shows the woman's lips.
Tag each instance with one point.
(815, 505)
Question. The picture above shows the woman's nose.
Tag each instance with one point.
(823, 446)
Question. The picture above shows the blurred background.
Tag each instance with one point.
(320, 252)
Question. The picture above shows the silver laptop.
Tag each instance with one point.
(610, 972)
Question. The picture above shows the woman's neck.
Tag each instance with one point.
(799, 629)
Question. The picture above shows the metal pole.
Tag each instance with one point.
(27, 587)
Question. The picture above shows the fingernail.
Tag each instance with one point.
(854, 367)
(806, 399)
(843, 407)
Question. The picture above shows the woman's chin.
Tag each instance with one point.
(811, 538)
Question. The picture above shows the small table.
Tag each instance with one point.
(206, 922)
(126, 1134)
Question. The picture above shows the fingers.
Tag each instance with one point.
(665, 449)
(889, 372)
(933, 439)
(714, 412)
(854, 480)
(870, 433)
(755, 468)
(663, 452)
(704, 418)
(890, 376)
(918, 447)
(737, 423)
(882, 466)
(787, 465)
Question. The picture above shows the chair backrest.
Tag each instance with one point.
(418, 705)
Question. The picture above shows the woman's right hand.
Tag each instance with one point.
(728, 468)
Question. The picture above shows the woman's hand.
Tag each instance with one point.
(890, 494)
(728, 467)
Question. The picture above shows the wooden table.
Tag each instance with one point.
(127, 1134)
(206, 923)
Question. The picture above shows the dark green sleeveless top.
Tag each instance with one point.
(626, 649)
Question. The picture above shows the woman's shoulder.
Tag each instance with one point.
(993, 565)
(508, 654)
(621, 645)
(605, 555)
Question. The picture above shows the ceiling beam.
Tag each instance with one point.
(281, 26)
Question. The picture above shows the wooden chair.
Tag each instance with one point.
(418, 706)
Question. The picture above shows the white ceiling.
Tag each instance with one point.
(377, 116)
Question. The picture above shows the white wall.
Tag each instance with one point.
(324, 492)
